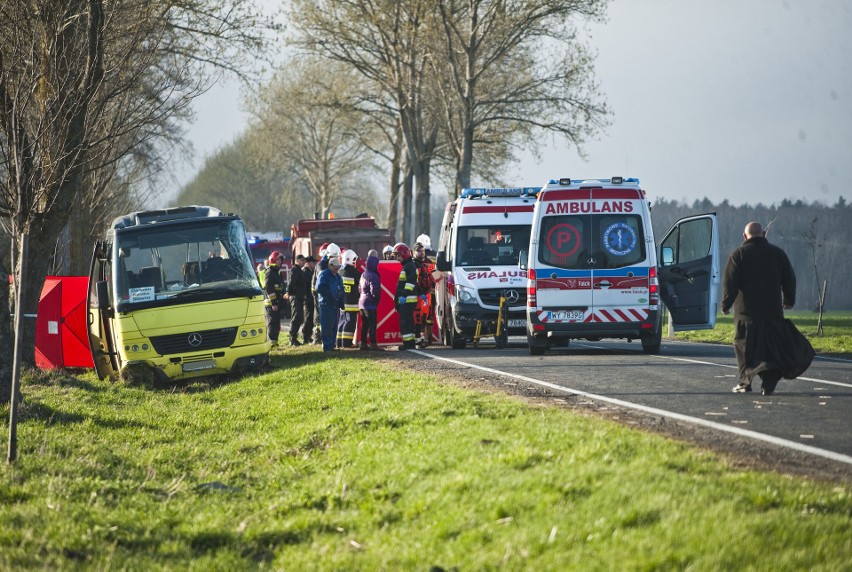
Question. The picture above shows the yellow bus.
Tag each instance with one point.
(173, 294)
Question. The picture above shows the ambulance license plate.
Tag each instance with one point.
(563, 315)
(199, 365)
(517, 323)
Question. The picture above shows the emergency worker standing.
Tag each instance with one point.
(426, 286)
(308, 271)
(370, 288)
(330, 293)
(274, 288)
(405, 299)
(387, 253)
(296, 291)
(759, 283)
(349, 317)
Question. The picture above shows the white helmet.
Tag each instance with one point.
(387, 249)
(349, 257)
(425, 241)
(332, 250)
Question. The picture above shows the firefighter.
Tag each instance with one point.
(296, 291)
(387, 253)
(310, 302)
(274, 288)
(426, 286)
(405, 299)
(349, 317)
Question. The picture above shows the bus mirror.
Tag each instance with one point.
(668, 256)
(441, 262)
(103, 295)
(522, 259)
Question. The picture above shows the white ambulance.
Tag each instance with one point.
(482, 234)
(593, 268)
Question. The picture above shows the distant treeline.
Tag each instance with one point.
(816, 237)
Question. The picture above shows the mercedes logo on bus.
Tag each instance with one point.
(512, 296)
(194, 339)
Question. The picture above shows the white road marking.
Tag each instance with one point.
(654, 411)
(702, 362)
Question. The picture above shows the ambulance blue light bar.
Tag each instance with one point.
(500, 192)
(613, 181)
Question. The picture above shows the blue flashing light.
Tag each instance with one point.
(613, 181)
(499, 192)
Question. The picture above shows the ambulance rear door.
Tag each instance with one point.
(564, 291)
(689, 272)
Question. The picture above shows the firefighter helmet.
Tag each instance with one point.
(274, 256)
(425, 241)
(349, 257)
(332, 250)
(402, 249)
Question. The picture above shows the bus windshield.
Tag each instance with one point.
(154, 265)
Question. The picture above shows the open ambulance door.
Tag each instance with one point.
(689, 272)
(100, 314)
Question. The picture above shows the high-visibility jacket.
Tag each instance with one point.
(351, 277)
(406, 288)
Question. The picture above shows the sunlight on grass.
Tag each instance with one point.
(342, 462)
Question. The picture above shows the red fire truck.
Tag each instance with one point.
(359, 233)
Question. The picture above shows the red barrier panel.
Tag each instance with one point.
(387, 320)
(62, 336)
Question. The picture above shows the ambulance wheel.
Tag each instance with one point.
(457, 342)
(536, 345)
(502, 340)
(651, 344)
(449, 337)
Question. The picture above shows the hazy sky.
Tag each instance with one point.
(745, 100)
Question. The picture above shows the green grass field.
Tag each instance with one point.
(835, 340)
(346, 463)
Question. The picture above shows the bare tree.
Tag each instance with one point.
(386, 41)
(495, 84)
(88, 89)
(306, 122)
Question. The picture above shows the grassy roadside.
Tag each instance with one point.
(836, 339)
(340, 462)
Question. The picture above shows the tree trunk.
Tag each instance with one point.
(422, 199)
(7, 339)
(405, 207)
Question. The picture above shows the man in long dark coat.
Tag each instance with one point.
(759, 284)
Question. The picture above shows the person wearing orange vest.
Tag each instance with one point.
(426, 286)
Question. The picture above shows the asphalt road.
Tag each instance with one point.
(689, 382)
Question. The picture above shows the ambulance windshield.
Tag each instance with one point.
(591, 241)
(491, 245)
